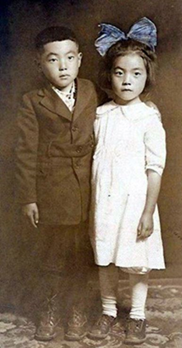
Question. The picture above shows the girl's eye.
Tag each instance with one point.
(119, 73)
(71, 57)
(137, 73)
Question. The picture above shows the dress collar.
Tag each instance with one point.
(133, 111)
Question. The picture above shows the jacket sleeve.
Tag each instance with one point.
(26, 153)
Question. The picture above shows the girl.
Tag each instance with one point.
(128, 163)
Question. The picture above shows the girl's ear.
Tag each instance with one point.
(109, 77)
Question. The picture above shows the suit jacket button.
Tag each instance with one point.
(77, 165)
(79, 149)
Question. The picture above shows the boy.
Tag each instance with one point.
(54, 152)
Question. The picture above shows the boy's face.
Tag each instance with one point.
(60, 62)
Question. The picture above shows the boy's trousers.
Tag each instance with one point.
(65, 261)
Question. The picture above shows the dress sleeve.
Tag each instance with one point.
(155, 145)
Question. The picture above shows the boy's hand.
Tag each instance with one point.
(145, 226)
(30, 211)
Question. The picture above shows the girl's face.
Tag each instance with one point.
(128, 78)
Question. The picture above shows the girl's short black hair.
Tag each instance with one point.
(122, 48)
(55, 33)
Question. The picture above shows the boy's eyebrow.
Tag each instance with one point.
(56, 54)
(52, 53)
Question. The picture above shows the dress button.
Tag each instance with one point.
(74, 129)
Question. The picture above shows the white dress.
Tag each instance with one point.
(129, 140)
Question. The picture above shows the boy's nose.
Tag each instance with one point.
(62, 65)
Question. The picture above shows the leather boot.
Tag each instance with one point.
(135, 331)
(77, 326)
(49, 320)
(102, 327)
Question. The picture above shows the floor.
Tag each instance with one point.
(164, 315)
(17, 324)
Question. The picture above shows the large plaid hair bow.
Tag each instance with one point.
(143, 31)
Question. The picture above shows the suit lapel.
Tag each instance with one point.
(82, 99)
(53, 103)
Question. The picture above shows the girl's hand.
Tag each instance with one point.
(145, 226)
(30, 211)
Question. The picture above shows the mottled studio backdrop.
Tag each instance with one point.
(20, 21)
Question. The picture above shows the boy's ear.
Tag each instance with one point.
(38, 64)
(80, 55)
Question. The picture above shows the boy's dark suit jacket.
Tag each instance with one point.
(54, 153)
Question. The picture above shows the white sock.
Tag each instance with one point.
(139, 290)
(109, 306)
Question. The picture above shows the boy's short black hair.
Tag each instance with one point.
(55, 33)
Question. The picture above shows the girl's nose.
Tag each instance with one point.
(126, 80)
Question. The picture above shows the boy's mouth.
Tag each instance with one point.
(64, 76)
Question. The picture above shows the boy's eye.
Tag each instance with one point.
(52, 59)
(71, 57)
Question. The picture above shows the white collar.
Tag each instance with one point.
(133, 111)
